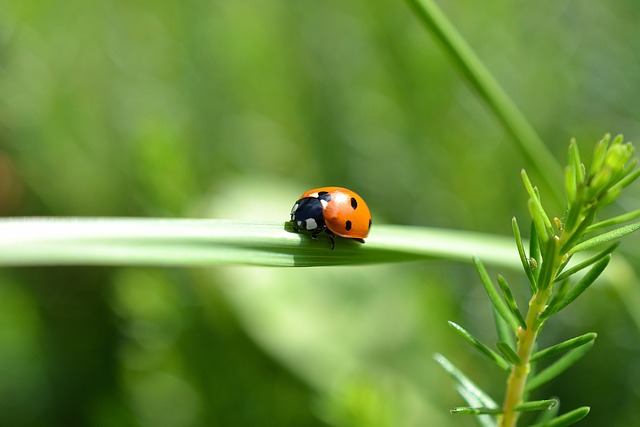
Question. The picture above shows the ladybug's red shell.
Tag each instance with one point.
(345, 213)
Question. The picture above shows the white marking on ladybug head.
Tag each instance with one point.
(300, 223)
(340, 198)
(324, 203)
(311, 224)
(294, 209)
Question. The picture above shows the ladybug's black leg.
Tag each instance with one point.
(331, 239)
(358, 240)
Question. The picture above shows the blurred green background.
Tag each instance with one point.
(233, 109)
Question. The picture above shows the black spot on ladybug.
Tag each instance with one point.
(354, 203)
(348, 225)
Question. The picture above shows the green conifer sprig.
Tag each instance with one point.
(553, 282)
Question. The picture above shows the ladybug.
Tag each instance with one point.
(334, 211)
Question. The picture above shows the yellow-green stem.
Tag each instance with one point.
(526, 339)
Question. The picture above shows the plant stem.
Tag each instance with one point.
(479, 76)
(526, 339)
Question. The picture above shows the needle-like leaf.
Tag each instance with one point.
(549, 263)
(559, 366)
(465, 382)
(467, 410)
(480, 346)
(563, 347)
(576, 290)
(537, 405)
(567, 419)
(509, 353)
(586, 263)
(484, 420)
(497, 302)
(617, 220)
(536, 209)
(606, 237)
(526, 264)
(511, 301)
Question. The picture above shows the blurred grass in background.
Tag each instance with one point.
(233, 109)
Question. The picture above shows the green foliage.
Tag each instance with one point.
(151, 112)
(551, 287)
(197, 242)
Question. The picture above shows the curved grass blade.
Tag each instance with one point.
(478, 345)
(563, 347)
(567, 419)
(490, 90)
(557, 367)
(200, 242)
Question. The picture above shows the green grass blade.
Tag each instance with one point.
(564, 346)
(557, 367)
(567, 419)
(481, 347)
(197, 242)
(496, 98)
